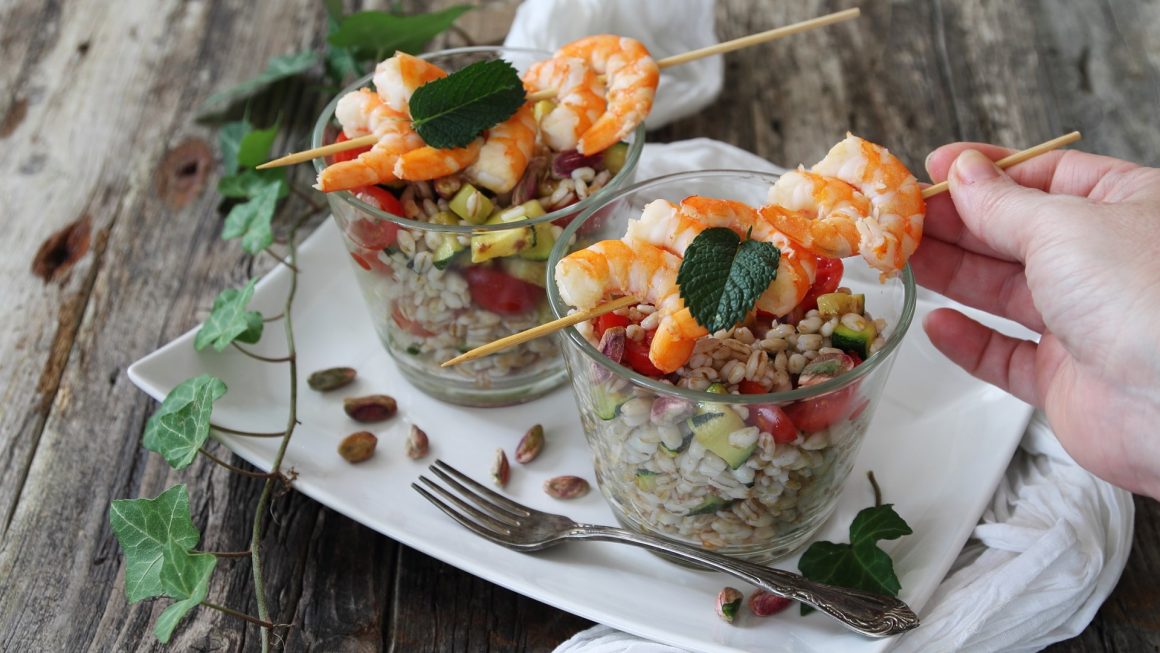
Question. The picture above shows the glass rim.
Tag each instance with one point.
(635, 147)
(560, 308)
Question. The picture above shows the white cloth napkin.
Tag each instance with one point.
(1054, 540)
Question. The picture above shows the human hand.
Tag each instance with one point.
(1068, 245)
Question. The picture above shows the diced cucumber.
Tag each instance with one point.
(614, 157)
(492, 244)
(606, 402)
(710, 505)
(645, 480)
(839, 303)
(531, 271)
(857, 341)
(712, 430)
(481, 207)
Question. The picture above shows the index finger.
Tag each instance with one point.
(1064, 172)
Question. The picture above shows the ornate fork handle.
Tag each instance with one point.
(876, 615)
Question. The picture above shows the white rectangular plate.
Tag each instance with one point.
(938, 445)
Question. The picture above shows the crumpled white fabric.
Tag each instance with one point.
(666, 28)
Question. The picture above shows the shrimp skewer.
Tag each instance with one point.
(579, 99)
(674, 227)
(505, 153)
(360, 112)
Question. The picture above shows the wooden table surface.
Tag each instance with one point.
(111, 235)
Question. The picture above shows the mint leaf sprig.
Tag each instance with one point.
(452, 111)
(722, 276)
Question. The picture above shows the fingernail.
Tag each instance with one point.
(971, 166)
(926, 162)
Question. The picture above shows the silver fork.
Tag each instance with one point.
(516, 526)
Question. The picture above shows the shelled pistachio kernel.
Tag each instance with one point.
(371, 408)
(417, 444)
(530, 445)
(728, 603)
(501, 471)
(763, 603)
(357, 447)
(331, 379)
(566, 487)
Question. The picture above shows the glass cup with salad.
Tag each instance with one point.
(446, 266)
(744, 449)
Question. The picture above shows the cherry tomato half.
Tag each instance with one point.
(347, 155)
(819, 413)
(406, 324)
(768, 417)
(827, 280)
(500, 292)
(373, 233)
(609, 320)
(636, 356)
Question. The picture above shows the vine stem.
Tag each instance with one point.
(240, 615)
(273, 318)
(249, 434)
(291, 422)
(877, 490)
(233, 468)
(288, 358)
(281, 260)
(228, 554)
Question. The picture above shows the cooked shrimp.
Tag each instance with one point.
(615, 267)
(893, 230)
(674, 227)
(817, 212)
(398, 77)
(632, 78)
(579, 99)
(505, 153)
(431, 162)
(363, 111)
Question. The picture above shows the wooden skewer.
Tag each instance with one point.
(576, 318)
(1012, 159)
(541, 330)
(720, 48)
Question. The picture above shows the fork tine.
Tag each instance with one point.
(517, 509)
(482, 517)
(470, 525)
(483, 503)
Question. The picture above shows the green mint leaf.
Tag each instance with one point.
(247, 183)
(861, 564)
(144, 527)
(185, 576)
(250, 220)
(453, 111)
(377, 34)
(277, 69)
(722, 276)
(181, 425)
(229, 320)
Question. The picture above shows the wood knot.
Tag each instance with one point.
(13, 117)
(60, 251)
(182, 173)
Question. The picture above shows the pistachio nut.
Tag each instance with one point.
(371, 408)
(728, 603)
(530, 445)
(763, 604)
(331, 379)
(417, 444)
(358, 447)
(566, 487)
(501, 472)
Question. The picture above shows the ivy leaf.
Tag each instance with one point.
(230, 141)
(247, 183)
(376, 33)
(229, 320)
(452, 111)
(181, 425)
(861, 564)
(144, 528)
(250, 220)
(722, 276)
(341, 63)
(185, 577)
(277, 69)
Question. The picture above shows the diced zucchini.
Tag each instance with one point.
(857, 341)
(545, 239)
(839, 303)
(450, 245)
(531, 271)
(481, 206)
(712, 430)
(710, 505)
(614, 157)
(718, 389)
(492, 244)
(645, 480)
(607, 403)
(681, 447)
(542, 108)
(526, 211)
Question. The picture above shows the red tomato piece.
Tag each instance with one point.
(748, 387)
(407, 324)
(773, 420)
(609, 320)
(374, 233)
(819, 413)
(347, 155)
(500, 292)
(636, 356)
(383, 200)
(827, 280)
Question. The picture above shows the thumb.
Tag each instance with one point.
(993, 206)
